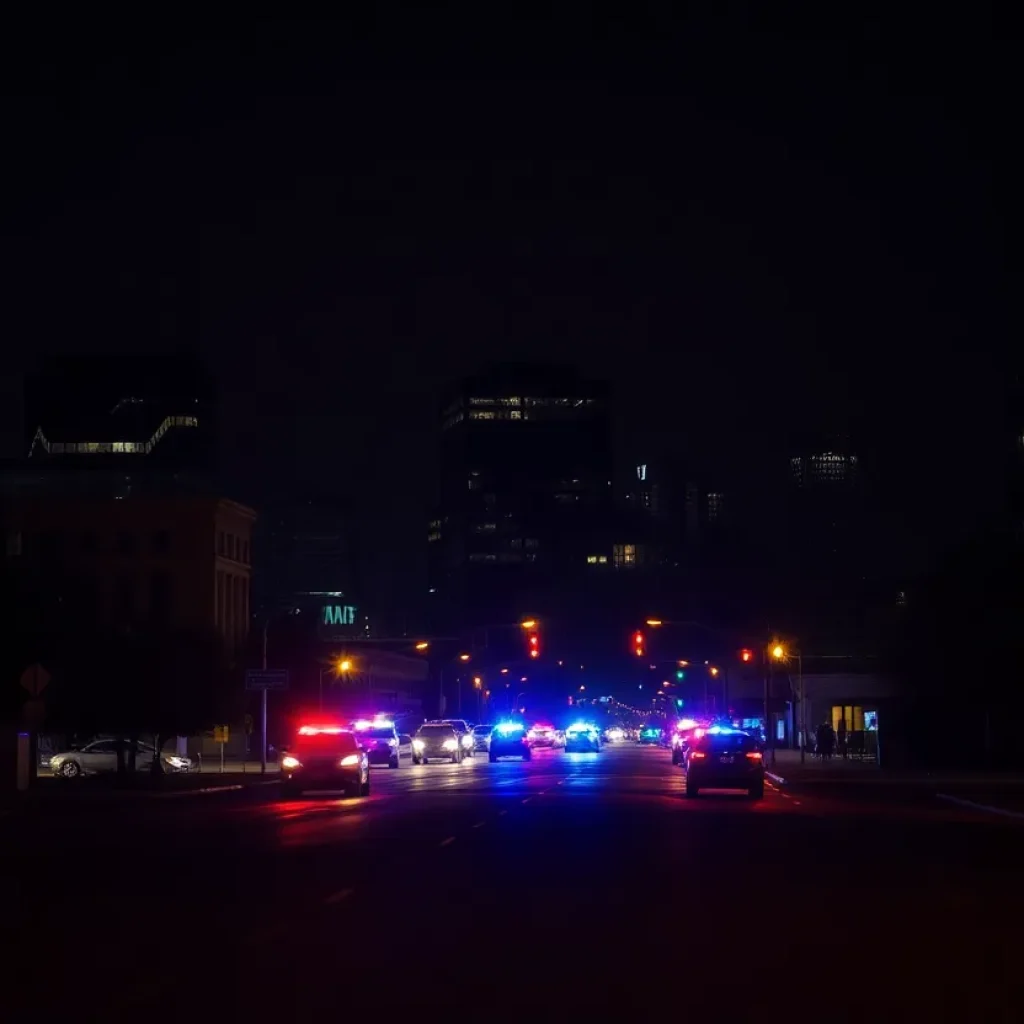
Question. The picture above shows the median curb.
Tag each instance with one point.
(985, 808)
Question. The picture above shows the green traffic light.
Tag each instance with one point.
(680, 674)
(679, 702)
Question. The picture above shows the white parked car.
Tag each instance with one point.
(100, 757)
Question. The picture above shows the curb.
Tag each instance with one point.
(961, 802)
(220, 789)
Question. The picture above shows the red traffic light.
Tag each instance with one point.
(638, 644)
(746, 654)
(533, 644)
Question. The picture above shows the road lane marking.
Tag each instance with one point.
(448, 841)
(528, 799)
(338, 897)
(480, 824)
(974, 806)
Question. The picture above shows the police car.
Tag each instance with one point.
(509, 739)
(325, 756)
(582, 737)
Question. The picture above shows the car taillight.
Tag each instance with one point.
(697, 755)
(754, 755)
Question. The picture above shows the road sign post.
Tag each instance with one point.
(221, 734)
(265, 679)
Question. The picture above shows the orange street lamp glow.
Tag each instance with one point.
(463, 657)
(778, 651)
(654, 622)
(345, 665)
(422, 645)
(529, 623)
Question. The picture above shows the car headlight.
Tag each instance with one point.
(290, 762)
(392, 743)
(450, 745)
(418, 745)
(467, 740)
(349, 759)
(178, 762)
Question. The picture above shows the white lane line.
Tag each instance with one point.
(448, 841)
(528, 799)
(480, 824)
(338, 897)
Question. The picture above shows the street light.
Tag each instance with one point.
(779, 653)
(340, 665)
(422, 645)
(464, 657)
(654, 622)
(528, 624)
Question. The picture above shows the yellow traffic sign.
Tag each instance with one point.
(220, 734)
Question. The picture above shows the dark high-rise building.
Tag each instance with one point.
(302, 557)
(525, 491)
(119, 425)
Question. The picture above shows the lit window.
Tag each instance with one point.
(510, 401)
(485, 527)
(481, 401)
(482, 414)
(624, 555)
(602, 559)
(515, 415)
(591, 559)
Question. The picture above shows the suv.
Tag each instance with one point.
(437, 740)
(725, 759)
(380, 741)
(465, 731)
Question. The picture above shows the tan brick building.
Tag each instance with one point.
(180, 562)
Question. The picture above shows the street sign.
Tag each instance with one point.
(266, 679)
(220, 734)
(34, 679)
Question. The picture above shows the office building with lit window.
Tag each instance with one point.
(524, 494)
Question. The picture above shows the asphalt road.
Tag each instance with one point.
(571, 886)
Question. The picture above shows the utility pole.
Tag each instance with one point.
(263, 704)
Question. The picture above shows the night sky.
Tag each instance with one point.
(753, 227)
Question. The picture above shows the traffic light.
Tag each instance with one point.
(680, 674)
(746, 655)
(638, 644)
(679, 702)
(533, 643)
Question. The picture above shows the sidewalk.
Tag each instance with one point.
(210, 767)
(787, 770)
(48, 791)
